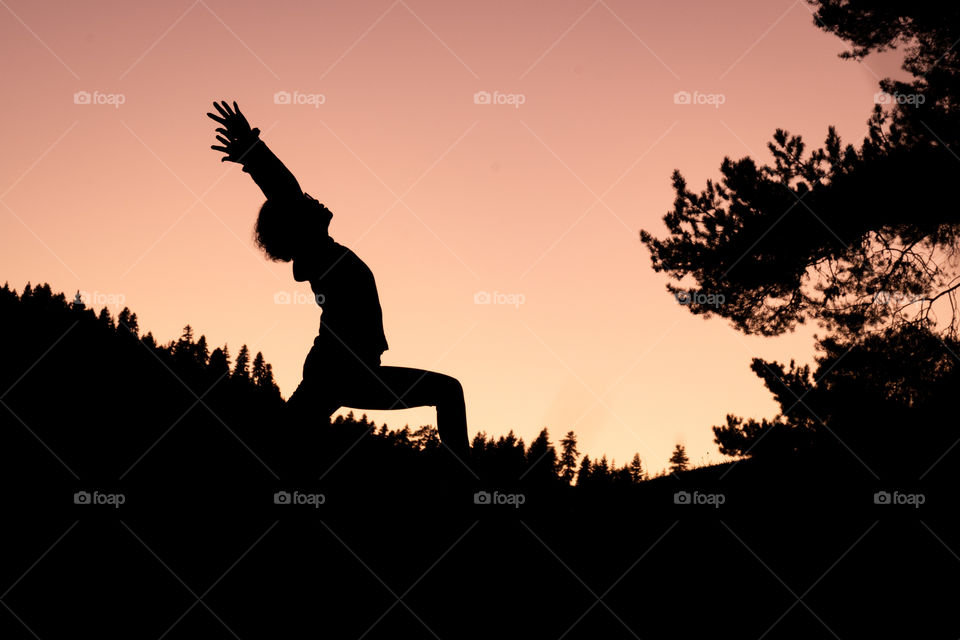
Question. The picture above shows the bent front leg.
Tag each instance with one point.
(404, 387)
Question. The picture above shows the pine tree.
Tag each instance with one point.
(259, 369)
(426, 438)
(679, 459)
(241, 370)
(42, 293)
(200, 351)
(267, 382)
(183, 347)
(636, 469)
(601, 470)
(107, 319)
(401, 437)
(585, 471)
(7, 295)
(127, 322)
(568, 457)
(219, 363)
(480, 443)
(542, 458)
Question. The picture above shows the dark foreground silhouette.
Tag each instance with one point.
(149, 494)
(343, 367)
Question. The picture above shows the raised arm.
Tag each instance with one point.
(243, 145)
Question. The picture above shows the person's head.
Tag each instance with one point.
(288, 229)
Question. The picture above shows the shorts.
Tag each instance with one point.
(326, 379)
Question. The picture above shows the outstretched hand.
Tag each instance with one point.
(236, 135)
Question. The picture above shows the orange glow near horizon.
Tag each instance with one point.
(537, 199)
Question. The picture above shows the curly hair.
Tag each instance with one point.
(282, 227)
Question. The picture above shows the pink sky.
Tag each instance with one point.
(441, 196)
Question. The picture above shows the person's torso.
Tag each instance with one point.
(351, 325)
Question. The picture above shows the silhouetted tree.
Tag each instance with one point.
(541, 459)
(259, 369)
(246, 405)
(927, 32)
(219, 363)
(858, 399)
(600, 471)
(425, 438)
(107, 319)
(862, 240)
(41, 294)
(267, 382)
(400, 438)
(201, 353)
(479, 444)
(182, 349)
(507, 456)
(636, 468)
(8, 295)
(679, 459)
(824, 236)
(568, 457)
(241, 370)
(583, 473)
(127, 322)
(621, 476)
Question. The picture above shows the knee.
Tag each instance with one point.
(451, 387)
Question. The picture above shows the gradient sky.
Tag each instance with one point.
(442, 197)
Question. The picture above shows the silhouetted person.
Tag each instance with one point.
(343, 367)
